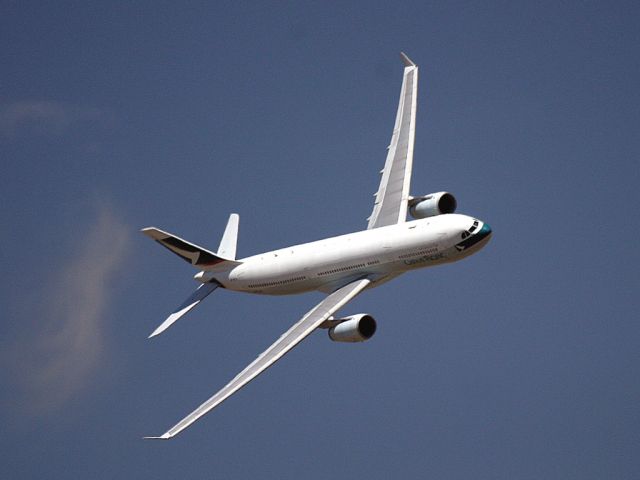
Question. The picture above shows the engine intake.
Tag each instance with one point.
(432, 205)
(356, 328)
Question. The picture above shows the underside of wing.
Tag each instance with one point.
(314, 318)
(391, 199)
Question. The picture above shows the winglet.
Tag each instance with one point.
(162, 437)
(406, 60)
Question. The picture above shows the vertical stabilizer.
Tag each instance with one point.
(227, 248)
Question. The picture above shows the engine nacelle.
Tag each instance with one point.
(432, 205)
(356, 328)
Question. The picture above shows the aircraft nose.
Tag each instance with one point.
(485, 231)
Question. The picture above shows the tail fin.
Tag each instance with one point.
(189, 252)
(229, 240)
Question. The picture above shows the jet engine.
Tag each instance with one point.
(432, 205)
(356, 328)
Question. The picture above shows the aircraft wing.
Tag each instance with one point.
(286, 342)
(392, 197)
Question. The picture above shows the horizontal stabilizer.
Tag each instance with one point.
(197, 296)
(189, 252)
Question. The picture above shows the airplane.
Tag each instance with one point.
(342, 266)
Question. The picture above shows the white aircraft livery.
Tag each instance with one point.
(342, 266)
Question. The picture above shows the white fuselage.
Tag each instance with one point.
(380, 254)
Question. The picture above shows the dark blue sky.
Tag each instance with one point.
(520, 362)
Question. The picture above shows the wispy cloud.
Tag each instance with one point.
(56, 361)
(43, 117)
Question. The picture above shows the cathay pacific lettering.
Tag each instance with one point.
(426, 258)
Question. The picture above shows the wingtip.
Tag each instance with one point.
(165, 436)
(406, 60)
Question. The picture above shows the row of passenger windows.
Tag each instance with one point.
(328, 272)
(279, 282)
(343, 269)
(420, 252)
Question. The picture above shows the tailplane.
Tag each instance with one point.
(198, 256)
(223, 260)
(195, 298)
